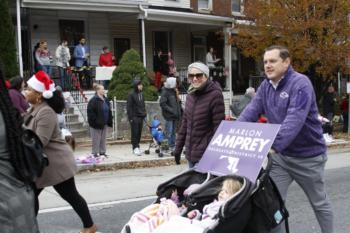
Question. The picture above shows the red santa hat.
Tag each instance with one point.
(42, 83)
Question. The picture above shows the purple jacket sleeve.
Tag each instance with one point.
(253, 110)
(298, 110)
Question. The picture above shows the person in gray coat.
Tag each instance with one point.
(237, 108)
(171, 110)
(17, 197)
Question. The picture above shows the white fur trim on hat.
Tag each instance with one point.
(42, 83)
(47, 94)
(200, 66)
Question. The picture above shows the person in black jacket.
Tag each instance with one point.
(328, 104)
(171, 110)
(99, 117)
(136, 113)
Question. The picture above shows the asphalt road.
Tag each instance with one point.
(111, 217)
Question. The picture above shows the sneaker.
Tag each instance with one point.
(137, 151)
(104, 154)
(95, 155)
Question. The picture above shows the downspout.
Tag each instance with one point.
(145, 15)
(19, 37)
(228, 60)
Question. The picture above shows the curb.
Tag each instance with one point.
(87, 143)
(340, 145)
(158, 162)
(129, 165)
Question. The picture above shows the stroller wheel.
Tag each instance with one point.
(160, 154)
(157, 151)
(147, 152)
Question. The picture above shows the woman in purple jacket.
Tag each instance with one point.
(203, 113)
(15, 93)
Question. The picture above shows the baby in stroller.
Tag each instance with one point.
(166, 216)
(158, 137)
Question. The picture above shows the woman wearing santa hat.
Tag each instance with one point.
(46, 102)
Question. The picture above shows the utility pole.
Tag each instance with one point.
(348, 92)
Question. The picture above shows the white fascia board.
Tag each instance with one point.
(244, 22)
(187, 18)
(86, 5)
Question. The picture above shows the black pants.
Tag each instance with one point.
(136, 130)
(346, 122)
(68, 191)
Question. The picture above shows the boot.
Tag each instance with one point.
(91, 229)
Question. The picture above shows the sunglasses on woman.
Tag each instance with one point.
(198, 75)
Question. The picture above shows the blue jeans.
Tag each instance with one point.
(63, 75)
(170, 127)
(47, 69)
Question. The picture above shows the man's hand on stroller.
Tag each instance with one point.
(272, 152)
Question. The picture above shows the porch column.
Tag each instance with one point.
(143, 40)
(19, 37)
(228, 59)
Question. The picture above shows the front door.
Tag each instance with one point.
(162, 41)
(72, 31)
(121, 45)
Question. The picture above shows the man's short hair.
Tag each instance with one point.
(284, 52)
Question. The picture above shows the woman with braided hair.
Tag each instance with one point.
(17, 197)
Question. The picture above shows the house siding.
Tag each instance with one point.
(96, 29)
(171, 3)
(44, 26)
(181, 38)
(99, 35)
(222, 8)
(194, 5)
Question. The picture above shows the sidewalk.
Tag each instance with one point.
(120, 156)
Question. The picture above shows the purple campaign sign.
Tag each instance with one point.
(238, 148)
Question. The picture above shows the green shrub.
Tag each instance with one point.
(7, 41)
(129, 69)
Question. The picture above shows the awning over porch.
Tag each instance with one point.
(186, 17)
(86, 5)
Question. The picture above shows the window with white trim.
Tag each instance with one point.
(236, 5)
(205, 5)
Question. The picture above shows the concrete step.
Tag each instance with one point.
(80, 133)
(69, 110)
(72, 125)
(72, 117)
